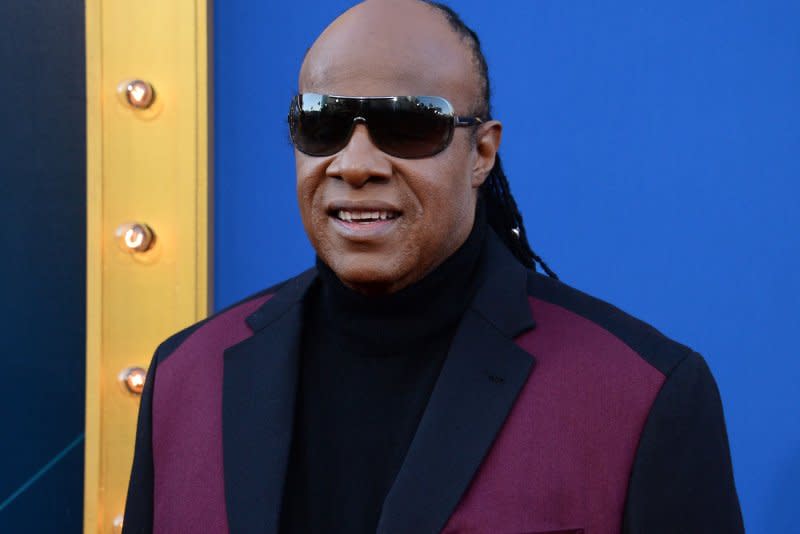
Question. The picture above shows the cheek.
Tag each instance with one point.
(446, 193)
(310, 175)
(448, 219)
(446, 199)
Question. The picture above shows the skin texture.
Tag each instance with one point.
(381, 48)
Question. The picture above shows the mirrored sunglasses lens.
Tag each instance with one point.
(410, 127)
(320, 127)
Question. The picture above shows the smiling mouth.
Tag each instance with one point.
(365, 216)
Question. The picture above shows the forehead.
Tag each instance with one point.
(391, 48)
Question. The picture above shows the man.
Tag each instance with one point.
(423, 378)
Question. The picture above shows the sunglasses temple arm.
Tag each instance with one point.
(468, 121)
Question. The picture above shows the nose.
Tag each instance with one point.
(360, 161)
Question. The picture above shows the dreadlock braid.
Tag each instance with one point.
(503, 214)
(501, 208)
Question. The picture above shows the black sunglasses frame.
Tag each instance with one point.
(360, 108)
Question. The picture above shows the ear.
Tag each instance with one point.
(487, 143)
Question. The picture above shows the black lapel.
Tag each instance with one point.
(479, 382)
(259, 385)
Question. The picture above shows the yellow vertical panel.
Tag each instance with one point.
(148, 166)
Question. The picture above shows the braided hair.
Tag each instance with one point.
(501, 208)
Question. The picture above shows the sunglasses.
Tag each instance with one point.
(402, 126)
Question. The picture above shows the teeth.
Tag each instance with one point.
(350, 216)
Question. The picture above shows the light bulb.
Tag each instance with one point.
(135, 237)
(139, 94)
(133, 379)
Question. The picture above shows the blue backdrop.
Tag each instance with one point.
(656, 164)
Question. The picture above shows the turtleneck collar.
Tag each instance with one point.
(395, 324)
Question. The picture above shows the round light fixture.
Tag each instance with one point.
(135, 237)
(139, 94)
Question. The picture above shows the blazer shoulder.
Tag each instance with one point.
(655, 348)
(173, 342)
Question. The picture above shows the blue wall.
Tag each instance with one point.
(657, 164)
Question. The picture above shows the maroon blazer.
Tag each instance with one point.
(554, 413)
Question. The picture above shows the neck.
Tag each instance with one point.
(415, 312)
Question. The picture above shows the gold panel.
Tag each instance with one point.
(149, 166)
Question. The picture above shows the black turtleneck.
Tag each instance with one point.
(368, 366)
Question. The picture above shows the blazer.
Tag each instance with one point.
(554, 412)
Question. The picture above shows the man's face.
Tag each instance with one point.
(381, 49)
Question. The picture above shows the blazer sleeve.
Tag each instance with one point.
(682, 477)
(140, 501)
